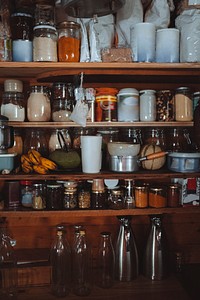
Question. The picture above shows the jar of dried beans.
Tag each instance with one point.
(69, 41)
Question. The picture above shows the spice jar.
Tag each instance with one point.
(84, 196)
(141, 196)
(98, 197)
(69, 41)
(147, 106)
(173, 195)
(70, 200)
(165, 105)
(13, 106)
(22, 36)
(45, 43)
(39, 200)
(157, 197)
(54, 194)
(38, 104)
(62, 102)
(115, 198)
(183, 104)
(26, 193)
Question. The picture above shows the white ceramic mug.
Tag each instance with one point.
(91, 153)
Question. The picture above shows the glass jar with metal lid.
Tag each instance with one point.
(39, 199)
(69, 37)
(116, 198)
(70, 199)
(38, 104)
(141, 193)
(183, 104)
(13, 106)
(45, 43)
(54, 196)
(157, 197)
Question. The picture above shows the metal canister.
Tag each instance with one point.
(165, 106)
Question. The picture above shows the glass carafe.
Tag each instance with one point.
(126, 266)
(60, 258)
(105, 261)
(36, 139)
(155, 263)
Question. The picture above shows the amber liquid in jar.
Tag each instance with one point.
(157, 197)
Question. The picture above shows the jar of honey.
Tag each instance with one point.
(157, 197)
(141, 196)
(69, 41)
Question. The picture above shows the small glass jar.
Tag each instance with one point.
(141, 196)
(157, 197)
(183, 104)
(69, 37)
(70, 199)
(165, 105)
(39, 104)
(39, 199)
(13, 106)
(84, 196)
(62, 102)
(147, 105)
(173, 195)
(54, 141)
(45, 43)
(54, 197)
(26, 193)
(115, 198)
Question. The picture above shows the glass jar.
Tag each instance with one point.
(45, 43)
(22, 36)
(54, 142)
(141, 193)
(147, 106)
(38, 104)
(183, 104)
(155, 136)
(195, 100)
(106, 108)
(84, 196)
(62, 102)
(177, 140)
(157, 197)
(39, 199)
(165, 105)
(128, 105)
(69, 37)
(36, 139)
(128, 193)
(115, 198)
(13, 106)
(44, 14)
(173, 195)
(54, 195)
(18, 143)
(26, 193)
(131, 135)
(70, 200)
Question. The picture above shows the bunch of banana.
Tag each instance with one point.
(33, 161)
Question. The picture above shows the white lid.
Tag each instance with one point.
(129, 91)
(13, 85)
(147, 91)
(7, 154)
(44, 26)
(111, 183)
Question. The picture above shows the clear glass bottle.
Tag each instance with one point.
(45, 43)
(39, 104)
(81, 266)
(69, 39)
(156, 260)
(8, 266)
(13, 106)
(105, 261)
(60, 259)
(127, 264)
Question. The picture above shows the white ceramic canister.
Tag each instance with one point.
(167, 45)
(147, 105)
(128, 105)
(143, 42)
(38, 105)
(13, 85)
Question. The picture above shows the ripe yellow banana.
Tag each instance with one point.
(40, 169)
(34, 156)
(27, 168)
(25, 158)
(47, 163)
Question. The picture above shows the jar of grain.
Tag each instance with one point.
(183, 104)
(13, 106)
(69, 41)
(157, 197)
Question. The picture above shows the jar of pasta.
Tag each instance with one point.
(157, 197)
(69, 41)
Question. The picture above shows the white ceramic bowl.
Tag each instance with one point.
(123, 149)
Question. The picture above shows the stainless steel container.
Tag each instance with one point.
(123, 163)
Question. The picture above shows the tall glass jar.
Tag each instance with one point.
(183, 104)
(165, 105)
(155, 136)
(69, 41)
(147, 106)
(37, 140)
(39, 199)
(13, 106)
(45, 43)
(54, 141)
(39, 104)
